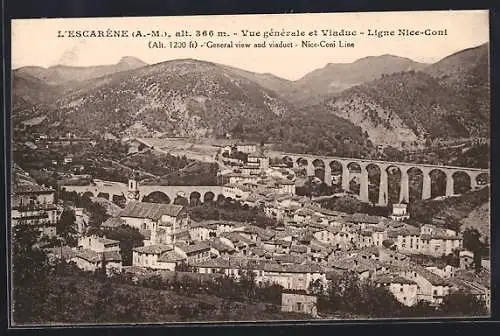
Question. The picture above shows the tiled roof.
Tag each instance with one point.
(356, 264)
(393, 233)
(205, 223)
(180, 235)
(267, 266)
(153, 249)
(67, 252)
(316, 244)
(391, 278)
(445, 237)
(113, 222)
(377, 229)
(88, 255)
(112, 256)
(217, 244)
(193, 248)
(330, 212)
(304, 212)
(284, 243)
(298, 248)
(371, 250)
(390, 223)
(27, 188)
(293, 268)
(254, 198)
(170, 256)
(317, 225)
(364, 218)
(236, 237)
(150, 210)
(257, 251)
(434, 279)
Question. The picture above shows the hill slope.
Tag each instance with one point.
(336, 77)
(467, 73)
(177, 98)
(382, 99)
(404, 107)
(31, 97)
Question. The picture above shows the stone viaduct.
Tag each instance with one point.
(121, 189)
(311, 162)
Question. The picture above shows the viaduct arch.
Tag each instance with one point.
(121, 189)
(309, 162)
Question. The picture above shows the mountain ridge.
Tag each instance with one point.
(400, 101)
(61, 74)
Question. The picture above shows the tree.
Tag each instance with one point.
(347, 204)
(378, 301)
(98, 215)
(347, 293)
(102, 300)
(472, 242)
(247, 283)
(181, 201)
(462, 304)
(129, 238)
(182, 267)
(316, 287)
(66, 227)
(30, 275)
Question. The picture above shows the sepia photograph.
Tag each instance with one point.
(250, 168)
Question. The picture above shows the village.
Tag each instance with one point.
(307, 246)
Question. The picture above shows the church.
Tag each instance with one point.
(158, 223)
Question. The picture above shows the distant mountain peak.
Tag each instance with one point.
(384, 57)
(132, 61)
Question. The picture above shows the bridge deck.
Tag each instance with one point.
(380, 162)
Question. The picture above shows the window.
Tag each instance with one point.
(299, 306)
(401, 289)
(435, 292)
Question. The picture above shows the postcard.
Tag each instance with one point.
(250, 168)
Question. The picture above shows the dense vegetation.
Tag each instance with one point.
(347, 295)
(451, 209)
(109, 160)
(230, 211)
(421, 103)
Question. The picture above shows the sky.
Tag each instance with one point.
(35, 41)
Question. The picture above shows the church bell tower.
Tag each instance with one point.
(133, 187)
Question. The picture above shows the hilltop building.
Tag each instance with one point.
(299, 303)
(400, 212)
(96, 252)
(159, 223)
(34, 205)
